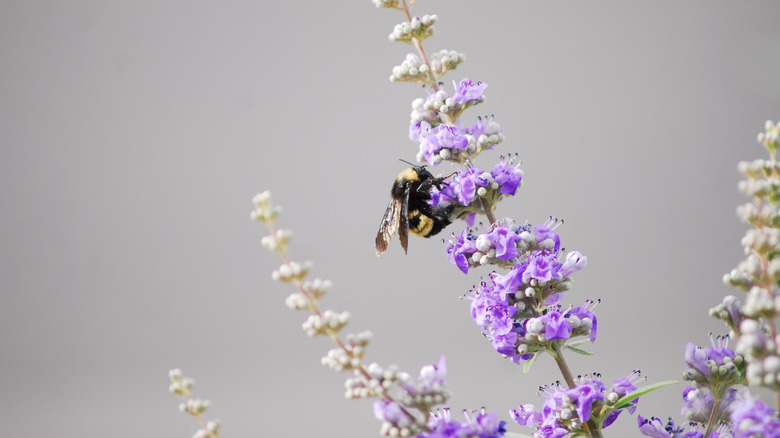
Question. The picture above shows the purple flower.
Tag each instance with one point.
(508, 176)
(391, 412)
(487, 126)
(505, 344)
(500, 317)
(585, 312)
(544, 232)
(525, 415)
(556, 326)
(479, 424)
(429, 149)
(696, 358)
(699, 402)
(586, 393)
(719, 350)
(414, 130)
(542, 267)
(503, 239)
(493, 314)
(573, 263)
(468, 91)
(429, 386)
(443, 196)
(483, 298)
(655, 428)
(464, 184)
(549, 426)
(450, 137)
(461, 188)
(753, 418)
(432, 140)
(625, 385)
(510, 282)
(728, 310)
(552, 430)
(459, 251)
(433, 375)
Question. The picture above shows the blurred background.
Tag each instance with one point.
(134, 135)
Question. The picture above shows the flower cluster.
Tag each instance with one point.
(518, 311)
(478, 424)
(713, 367)
(654, 427)
(753, 418)
(512, 322)
(405, 406)
(569, 410)
(440, 141)
(507, 245)
(414, 68)
(759, 274)
(716, 400)
(519, 308)
(423, 395)
(419, 28)
(181, 387)
(469, 189)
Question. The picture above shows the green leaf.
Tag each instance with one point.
(579, 351)
(625, 401)
(529, 362)
(578, 342)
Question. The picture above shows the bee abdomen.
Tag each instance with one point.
(421, 225)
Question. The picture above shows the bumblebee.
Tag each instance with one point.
(409, 209)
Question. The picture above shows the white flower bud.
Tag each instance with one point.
(175, 375)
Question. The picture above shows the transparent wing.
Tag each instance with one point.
(403, 217)
(389, 226)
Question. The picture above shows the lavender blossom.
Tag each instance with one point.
(699, 403)
(655, 428)
(570, 410)
(468, 91)
(542, 267)
(525, 415)
(478, 424)
(438, 143)
(752, 418)
(459, 251)
(392, 414)
(715, 366)
(508, 176)
(502, 239)
(506, 245)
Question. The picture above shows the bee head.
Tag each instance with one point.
(416, 173)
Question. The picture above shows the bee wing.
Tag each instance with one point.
(389, 226)
(403, 229)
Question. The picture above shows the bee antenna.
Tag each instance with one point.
(404, 161)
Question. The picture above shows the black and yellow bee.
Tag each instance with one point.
(409, 209)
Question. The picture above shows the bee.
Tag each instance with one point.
(409, 210)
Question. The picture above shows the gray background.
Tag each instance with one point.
(134, 135)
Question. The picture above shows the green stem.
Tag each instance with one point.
(557, 354)
(488, 209)
(593, 428)
(714, 417)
